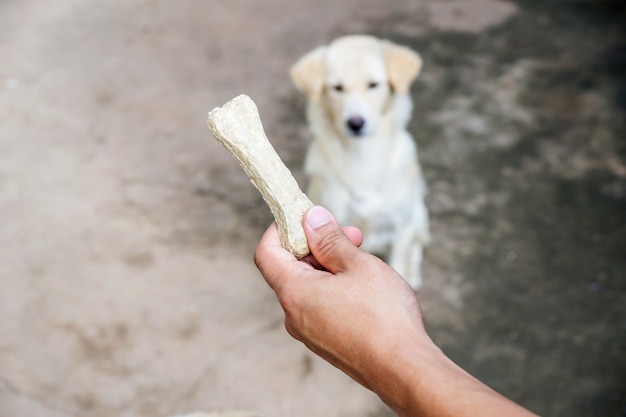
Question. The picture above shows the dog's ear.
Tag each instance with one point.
(308, 73)
(403, 66)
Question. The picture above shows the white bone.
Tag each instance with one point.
(237, 126)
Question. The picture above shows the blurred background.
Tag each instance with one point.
(127, 285)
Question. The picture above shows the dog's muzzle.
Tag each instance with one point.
(356, 125)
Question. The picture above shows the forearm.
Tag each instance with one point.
(357, 313)
(422, 381)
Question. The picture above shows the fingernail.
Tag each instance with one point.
(318, 216)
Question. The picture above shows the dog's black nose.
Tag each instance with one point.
(356, 124)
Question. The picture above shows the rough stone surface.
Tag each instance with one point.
(127, 285)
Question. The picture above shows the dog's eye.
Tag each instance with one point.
(372, 85)
(338, 88)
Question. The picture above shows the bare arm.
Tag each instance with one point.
(356, 312)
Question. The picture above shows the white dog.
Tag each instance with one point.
(363, 163)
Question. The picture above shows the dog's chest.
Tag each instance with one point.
(370, 185)
(381, 198)
(370, 193)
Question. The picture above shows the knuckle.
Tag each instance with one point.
(289, 300)
(288, 303)
(260, 256)
(292, 329)
(258, 260)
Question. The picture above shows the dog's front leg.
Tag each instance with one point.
(406, 258)
(407, 249)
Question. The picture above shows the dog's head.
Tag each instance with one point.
(354, 78)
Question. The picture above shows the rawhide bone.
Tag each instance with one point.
(237, 126)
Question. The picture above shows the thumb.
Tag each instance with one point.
(328, 243)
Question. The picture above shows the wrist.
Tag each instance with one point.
(422, 380)
(399, 370)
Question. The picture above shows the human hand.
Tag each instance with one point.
(344, 304)
(356, 312)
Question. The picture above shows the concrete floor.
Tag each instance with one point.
(127, 285)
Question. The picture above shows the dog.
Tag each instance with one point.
(362, 163)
